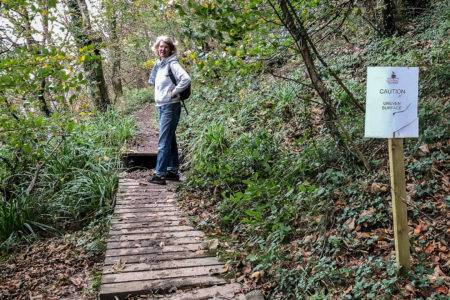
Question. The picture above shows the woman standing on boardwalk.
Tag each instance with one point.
(169, 107)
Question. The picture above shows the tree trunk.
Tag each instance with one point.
(82, 32)
(115, 57)
(388, 23)
(32, 45)
(383, 16)
(301, 38)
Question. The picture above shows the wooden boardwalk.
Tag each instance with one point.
(151, 250)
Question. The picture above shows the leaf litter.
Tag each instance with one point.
(53, 268)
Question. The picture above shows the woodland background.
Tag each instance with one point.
(273, 150)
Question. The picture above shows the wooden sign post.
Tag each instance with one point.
(391, 112)
(398, 194)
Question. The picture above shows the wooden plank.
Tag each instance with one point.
(148, 229)
(157, 200)
(146, 209)
(162, 265)
(146, 214)
(143, 191)
(164, 274)
(141, 197)
(145, 219)
(144, 205)
(109, 291)
(398, 194)
(154, 201)
(152, 243)
(147, 223)
(228, 291)
(150, 250)
(152, 257)
(154, 236)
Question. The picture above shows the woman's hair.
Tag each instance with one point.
(169, 41)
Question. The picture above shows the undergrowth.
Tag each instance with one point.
(298, 205)
(76, 184)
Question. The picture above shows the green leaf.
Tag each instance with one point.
(51, 3)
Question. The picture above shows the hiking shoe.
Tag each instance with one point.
(171, 175)
(157, 179)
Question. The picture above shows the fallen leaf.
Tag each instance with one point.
(367, 213)
(210, 244)
(303, 253)
(349, 289)
(441, 290)
(380, 238)
(439, 274)
(198, 252)
(75, 280)
(375, 188)
(308, 239)
(430, 247)
(247, 269)
(218, 231)
(162, 244)
(423, 150)
(227, 268)
(255, 275)
(118, 267)
(418, 228)
(410, 289)
(350, 224)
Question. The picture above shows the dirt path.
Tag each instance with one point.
(147, 139)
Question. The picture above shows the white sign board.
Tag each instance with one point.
(391, 102)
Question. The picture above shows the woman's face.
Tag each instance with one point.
(163, 50)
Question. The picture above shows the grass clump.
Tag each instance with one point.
(75, 184)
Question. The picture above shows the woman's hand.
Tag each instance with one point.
(172, 95)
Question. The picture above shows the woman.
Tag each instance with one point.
(169, 107)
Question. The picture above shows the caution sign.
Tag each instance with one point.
(391, 102)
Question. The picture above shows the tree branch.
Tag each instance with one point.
(39, 166)
(290, 79)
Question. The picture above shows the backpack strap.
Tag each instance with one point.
(172, 77)
(174, 81)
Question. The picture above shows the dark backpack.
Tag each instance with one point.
(184, 94)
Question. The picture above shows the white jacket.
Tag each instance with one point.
(164, 85)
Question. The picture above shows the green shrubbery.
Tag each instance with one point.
(76, 183)
(134, 99)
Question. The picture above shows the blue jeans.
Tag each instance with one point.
(167, 159)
